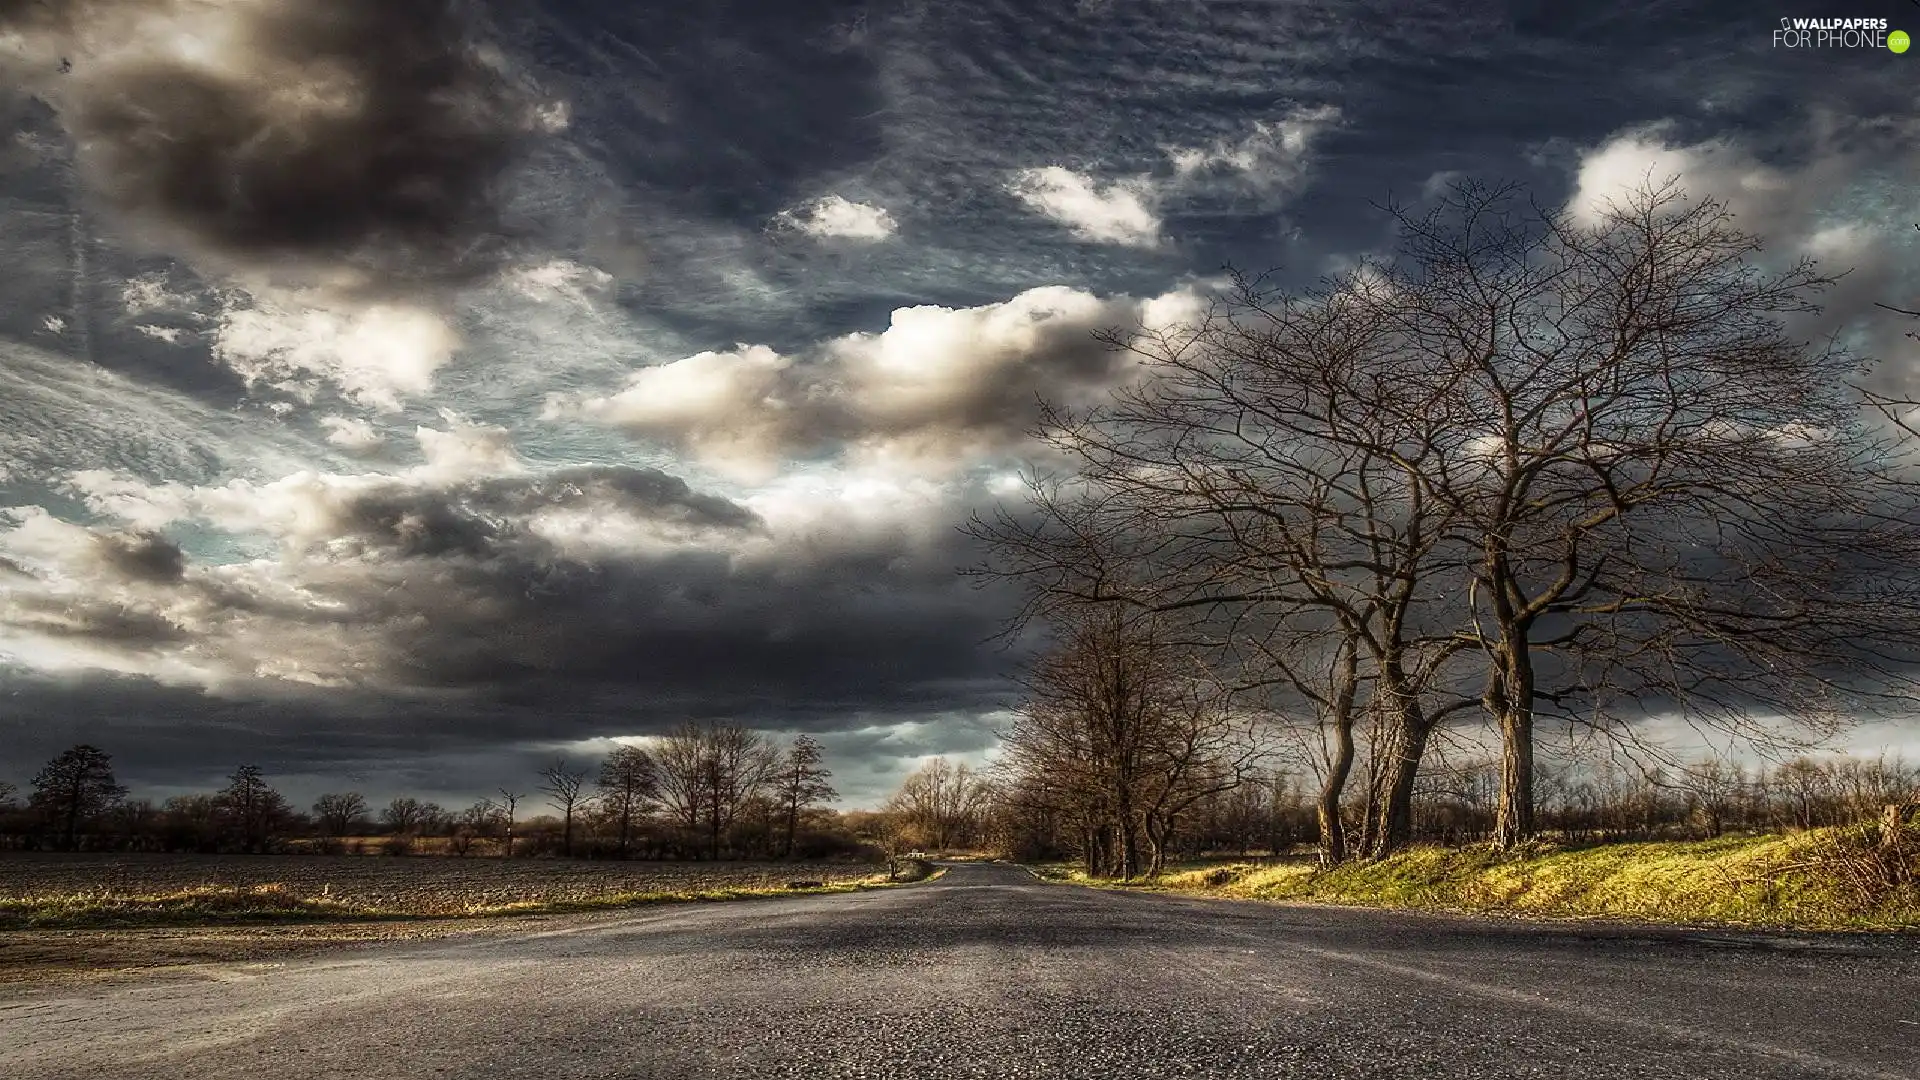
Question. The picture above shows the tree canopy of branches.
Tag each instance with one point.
(1535, 460)
(407, 815)
(340, 813)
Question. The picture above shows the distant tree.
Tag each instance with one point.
(480, 819)
(406, 816)
(800, 785)
(74, 788)
(340, 814)
(942, 804)
(436, 820)
(7, 794)
(509, 809)
(629, 784)
(132, 822)
(252, 812)
(191, 823)
(565, 787)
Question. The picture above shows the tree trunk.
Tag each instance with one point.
(73, 818)
(1509, 699)
(1333, 829)
(1392, 826)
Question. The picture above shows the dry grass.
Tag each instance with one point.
(1832, 879)
(63, 892)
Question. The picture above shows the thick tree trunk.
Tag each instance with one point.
(1392, 826)
(1509, 700)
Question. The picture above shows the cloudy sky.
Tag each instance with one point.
(396, 395)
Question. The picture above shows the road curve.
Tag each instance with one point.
(988, 973)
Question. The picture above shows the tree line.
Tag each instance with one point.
(1271, 808)
(703, 790)
(1535, 468)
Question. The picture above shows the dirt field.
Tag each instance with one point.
(412, 886)
(113, 917)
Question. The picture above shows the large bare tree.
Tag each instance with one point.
(1525, 435)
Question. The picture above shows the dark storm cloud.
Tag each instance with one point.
(141, 556)
(544, 589)
(319, 134)
(97, 622)
(475, 518)
(512, 650)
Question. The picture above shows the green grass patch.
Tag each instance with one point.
(1831, 879)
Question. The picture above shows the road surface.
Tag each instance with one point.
(988, 973)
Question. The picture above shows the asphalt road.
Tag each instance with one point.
(988, 973)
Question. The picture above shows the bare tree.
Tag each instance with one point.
(74, 788)
(1644, 456)
(1129, 732)
(1267, 472)
(251, 811)
(340, 814)
(1521, 437)
(799, 785)
(629, 784)
(478, 820)
(407, 816)
(565, 787)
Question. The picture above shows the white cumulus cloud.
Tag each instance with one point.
(939, 389)
(1122, 212)
(377, 355)
(839, 217)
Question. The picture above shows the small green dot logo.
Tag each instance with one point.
(1898, 41)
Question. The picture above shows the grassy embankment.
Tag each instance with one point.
(223, 905)
(1829, 879)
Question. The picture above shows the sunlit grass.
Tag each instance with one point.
(1811, 880)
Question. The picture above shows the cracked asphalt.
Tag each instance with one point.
(989, 973)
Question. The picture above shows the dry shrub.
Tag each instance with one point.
(1873, 862)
